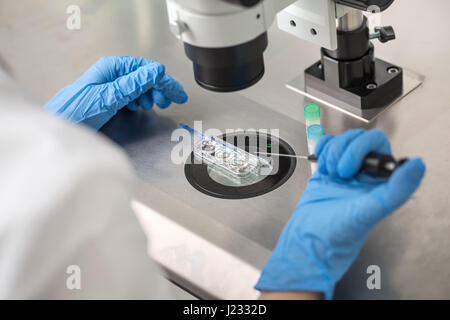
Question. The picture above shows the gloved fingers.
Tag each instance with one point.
(399, 188)
(369, 181)
(146, 101)
(128, 88)
(352, 159)
(322, 163)
(171, 89)
(160, 100)
(133, 106)
(114, 67)
(329, 159)
(322, 143)
(125, 65)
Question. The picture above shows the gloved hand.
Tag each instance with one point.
(111, 84)
(335, 214)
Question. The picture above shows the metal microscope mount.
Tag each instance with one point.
(351, 73)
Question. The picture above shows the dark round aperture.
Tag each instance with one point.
(230, 68)
(199, 177)
(245, 3)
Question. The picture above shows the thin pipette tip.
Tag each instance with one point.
(201, 134)
(312, 157)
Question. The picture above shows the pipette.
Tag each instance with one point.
(312, 158)
(375, 164)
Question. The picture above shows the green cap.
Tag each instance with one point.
(312, 112)
(315, 132)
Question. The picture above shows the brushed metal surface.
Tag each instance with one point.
(411, 247)
(351, 20)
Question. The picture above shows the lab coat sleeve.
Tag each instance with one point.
(66, 227)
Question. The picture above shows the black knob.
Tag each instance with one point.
(380, 165)
(385, 33)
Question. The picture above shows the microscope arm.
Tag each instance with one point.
(363, 5)
(366, 5)
(225, 39)
(219, 24)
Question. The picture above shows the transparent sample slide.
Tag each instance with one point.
(234, 163)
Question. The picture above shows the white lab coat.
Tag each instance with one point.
(65, 201)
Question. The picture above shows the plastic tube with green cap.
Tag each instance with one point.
(315, 132)
(312, 115)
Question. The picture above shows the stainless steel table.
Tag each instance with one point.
(216, 248)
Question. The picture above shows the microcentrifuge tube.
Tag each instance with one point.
(315, 132)
(312, 115)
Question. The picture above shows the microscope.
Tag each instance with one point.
(226, 39)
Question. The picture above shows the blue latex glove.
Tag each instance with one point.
(111, 84)
(335, 214)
